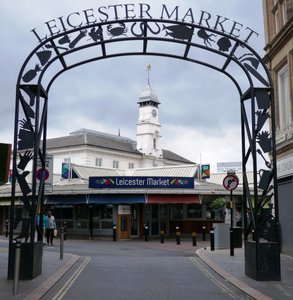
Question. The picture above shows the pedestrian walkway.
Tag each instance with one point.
(53, 269)
(232, 268)
(229, 267)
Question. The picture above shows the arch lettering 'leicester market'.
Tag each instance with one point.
(187, 34)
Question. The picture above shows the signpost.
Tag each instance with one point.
(48, 176)
(230, 183)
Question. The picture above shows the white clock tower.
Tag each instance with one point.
(148, 125)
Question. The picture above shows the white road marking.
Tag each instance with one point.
(208, 274)
(71, 280)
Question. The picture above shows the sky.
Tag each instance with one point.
(199, 111)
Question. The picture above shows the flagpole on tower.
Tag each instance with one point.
(149, 67)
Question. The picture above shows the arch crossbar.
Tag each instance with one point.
(156, 37)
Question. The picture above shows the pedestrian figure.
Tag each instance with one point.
(51, 225)
(42, 231)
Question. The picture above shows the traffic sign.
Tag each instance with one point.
(230, 182)
(39, 174)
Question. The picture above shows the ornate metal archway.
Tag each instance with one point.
(191, 42)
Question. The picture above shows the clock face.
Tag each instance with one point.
(154, 113)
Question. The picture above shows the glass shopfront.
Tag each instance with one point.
(157, 218)
(77, 217)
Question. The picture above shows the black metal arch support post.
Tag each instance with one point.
(258, 144)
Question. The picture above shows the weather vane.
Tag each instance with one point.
(149, 67)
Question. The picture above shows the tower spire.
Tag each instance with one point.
(149, 67)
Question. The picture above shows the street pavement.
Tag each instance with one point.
(103, 269)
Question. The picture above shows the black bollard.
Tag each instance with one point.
(193, 238)
(231, 242)
(203, 233)
(212, 234)
(16, 266)
(114, 233)
(61, 242)
(146, 232)
(178, 233)
(162, 236)
(65, 231)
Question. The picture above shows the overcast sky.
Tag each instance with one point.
(199, 111)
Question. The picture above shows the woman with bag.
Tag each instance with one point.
(50, 228)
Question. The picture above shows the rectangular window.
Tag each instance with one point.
(81, 212)
(63, 214)
(115, 164)
(177, 211)
(154, 143)
(276, 16)
(107, 211)
(284, 12)
(131, 166)
(285, 118)
(107, 216)
(193, 211)
(98, 162)
(67, 160)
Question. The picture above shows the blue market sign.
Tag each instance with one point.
(132, 182)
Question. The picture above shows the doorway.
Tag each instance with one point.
(124, 222)
(157, 217)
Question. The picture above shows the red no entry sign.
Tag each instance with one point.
(230, 182)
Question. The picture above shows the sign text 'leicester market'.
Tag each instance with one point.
(141, 182)
(120, 12)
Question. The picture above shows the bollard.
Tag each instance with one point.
(91, 230)
(65, 231)
(203, 233)
(114, 232)
(231, 242)
(61, 242)
(178, 235)
(6, 228)
(162, 235)
(146, 232)
(212, 233)
(16, 266)
(193, 238)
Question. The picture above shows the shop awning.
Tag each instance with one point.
(8, 202)
(116, 199)
(66, 200)
(164, 199)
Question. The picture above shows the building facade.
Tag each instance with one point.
(93, 212)
(278, 23)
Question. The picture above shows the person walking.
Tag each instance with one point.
(50, 227)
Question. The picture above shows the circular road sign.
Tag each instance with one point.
(39, 174)
(230, 182)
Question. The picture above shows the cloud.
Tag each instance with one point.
(199, 108)
(223, 146)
